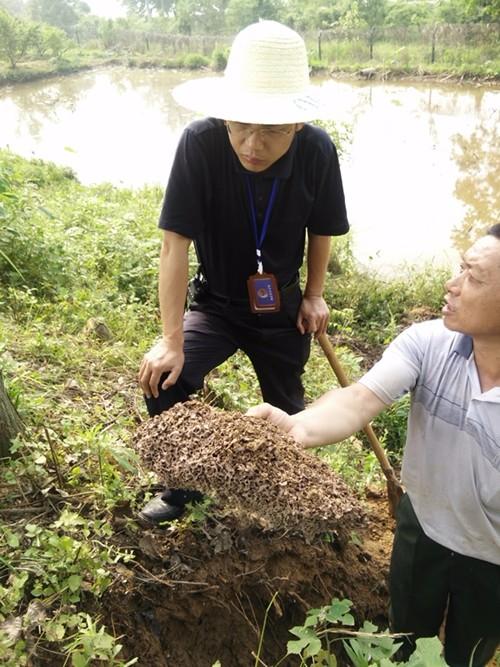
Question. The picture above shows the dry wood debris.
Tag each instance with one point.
(248, 465)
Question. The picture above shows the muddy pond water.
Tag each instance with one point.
(420, 161)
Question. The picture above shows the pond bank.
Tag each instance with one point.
(418, 76)
(40, 70)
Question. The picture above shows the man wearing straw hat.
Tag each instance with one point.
(248, 183)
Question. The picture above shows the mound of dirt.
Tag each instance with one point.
(198, 593)
(285, 535)
(249, 466)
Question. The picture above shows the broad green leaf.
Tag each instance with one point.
(295, 647)
(79, 660)
(337, 612)
(55, 632)
(13, 540)
(74, 582)
(428, 653)
(313, 648)
(301, 631)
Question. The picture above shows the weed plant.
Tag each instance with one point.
(367, 647)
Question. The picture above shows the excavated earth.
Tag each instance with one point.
(284, 534)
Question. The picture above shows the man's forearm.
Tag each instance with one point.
(318, 256)
(337, 415)
(173, 279)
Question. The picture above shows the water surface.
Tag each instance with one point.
(421, 168)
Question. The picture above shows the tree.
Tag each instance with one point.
(406, 14)
(200, 16)
(311, 15)
(10, 422)
(16, 36)
(372, 14)
(241, 13)
(147, 8)
(63, 14)
(49, 39)
(350, 18)
(469, 11)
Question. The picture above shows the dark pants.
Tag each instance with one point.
(214, 330)
(428, 580)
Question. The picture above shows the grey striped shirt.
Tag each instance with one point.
(451, 463)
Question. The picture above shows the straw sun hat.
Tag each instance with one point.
(266, 80)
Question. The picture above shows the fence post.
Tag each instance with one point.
(433, 44)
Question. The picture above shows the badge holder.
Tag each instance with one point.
(263, 293)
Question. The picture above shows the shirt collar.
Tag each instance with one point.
(463, 345)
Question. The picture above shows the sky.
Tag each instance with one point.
(108, 8)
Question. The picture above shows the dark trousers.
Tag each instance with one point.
(429, 581)
(214, 330)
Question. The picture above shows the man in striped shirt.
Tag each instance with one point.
(446, 552)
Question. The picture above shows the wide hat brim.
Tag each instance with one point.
(217, 97)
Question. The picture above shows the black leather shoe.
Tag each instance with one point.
(158, 510)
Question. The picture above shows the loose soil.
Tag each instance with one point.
(198, 593)
(286, 542)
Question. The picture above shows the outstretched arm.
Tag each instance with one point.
(335, 416)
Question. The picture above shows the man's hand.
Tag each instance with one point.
(161, 358)
(313, 315)
(278, 417)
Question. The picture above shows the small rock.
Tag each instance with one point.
(98, 328)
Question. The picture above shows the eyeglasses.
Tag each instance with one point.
(266, 132)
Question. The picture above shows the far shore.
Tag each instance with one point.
(25, 73)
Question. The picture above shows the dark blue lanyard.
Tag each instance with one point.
(259, 239)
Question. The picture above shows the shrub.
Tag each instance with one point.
(219, 59)
(195, 61)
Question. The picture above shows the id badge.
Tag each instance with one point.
(263, 293)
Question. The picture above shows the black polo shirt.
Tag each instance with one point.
(207, 200)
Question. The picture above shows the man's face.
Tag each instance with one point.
(473, 296)
(260, 146)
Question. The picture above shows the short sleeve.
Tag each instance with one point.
(186, 196)
(328, 216)
(398, 370)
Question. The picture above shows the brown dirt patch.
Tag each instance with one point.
(199, 593)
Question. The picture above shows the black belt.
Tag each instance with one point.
(293, 284)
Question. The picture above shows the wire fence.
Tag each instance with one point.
(436, 38)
